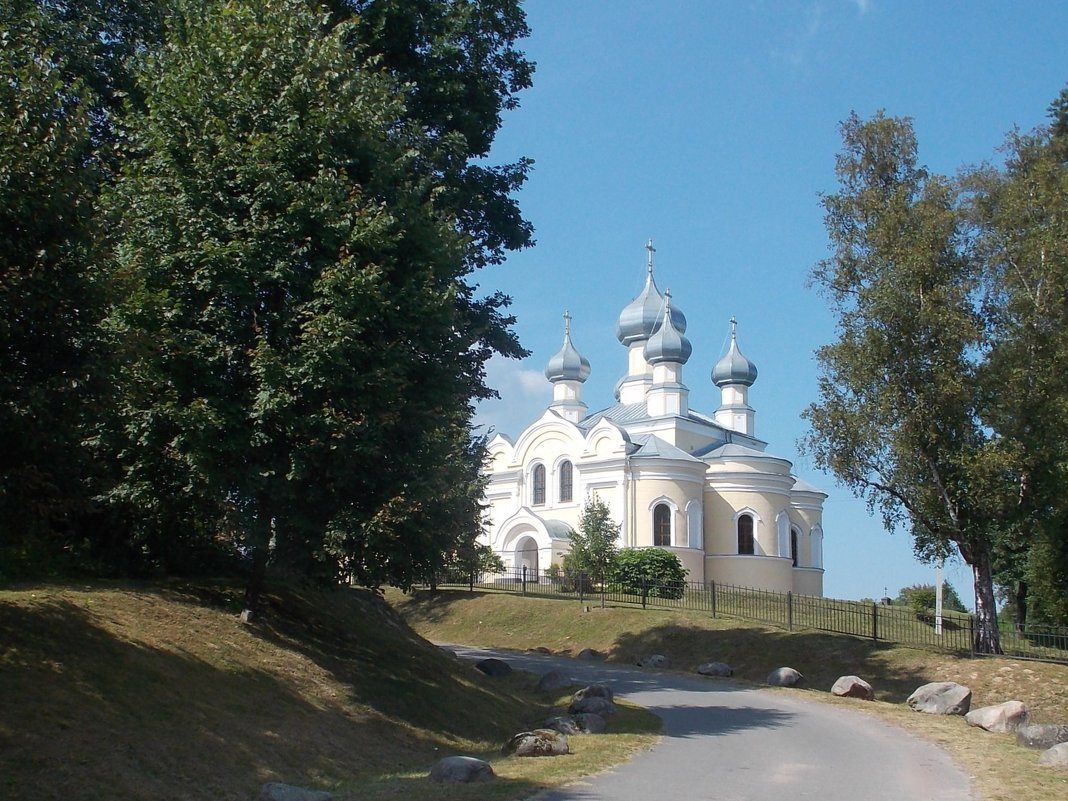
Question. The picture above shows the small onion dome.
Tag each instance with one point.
(734, 368)
(568, 364)
(667, 344)
(641, 317)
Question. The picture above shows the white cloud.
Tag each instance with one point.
(524, 395)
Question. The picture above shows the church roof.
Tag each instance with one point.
(804, 486)
(651, 446)
(568, 364)
(732, 450)
(667, 344)
(734, 368)
(641, 318)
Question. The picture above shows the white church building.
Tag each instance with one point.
(699, 485)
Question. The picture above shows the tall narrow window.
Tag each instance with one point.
(539, 485)
(662, 525)
(745, 534)
(793, 545)
(565, 482)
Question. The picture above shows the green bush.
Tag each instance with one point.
(920, 598)
(652, 570)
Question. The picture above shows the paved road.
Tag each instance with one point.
(726, 742)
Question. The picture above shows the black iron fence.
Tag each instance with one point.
(874, 621)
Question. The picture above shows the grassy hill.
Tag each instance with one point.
(158, 691)
(1003, 771)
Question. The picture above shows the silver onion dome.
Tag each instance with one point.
(568, 364)
(667, 344)
(734, 368)
(642, 316)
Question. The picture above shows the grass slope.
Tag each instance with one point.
(1002, 771)
(158, 691)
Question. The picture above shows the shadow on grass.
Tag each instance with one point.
(753, 652)
(89, 714)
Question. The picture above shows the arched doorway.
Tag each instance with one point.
(526, 555)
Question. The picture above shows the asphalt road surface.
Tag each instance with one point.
(726, 742)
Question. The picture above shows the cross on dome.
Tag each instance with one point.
(651, 250)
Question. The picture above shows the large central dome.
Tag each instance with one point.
(642, 316)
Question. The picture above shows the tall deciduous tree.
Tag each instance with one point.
(1019, 214)
(898, 421)
(303, 344)
(594, 544)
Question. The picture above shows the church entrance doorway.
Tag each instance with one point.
(526, 555)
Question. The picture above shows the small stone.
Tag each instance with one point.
(853, 687)
(537, 743)
(941, 698)
(654, 661)
(784, 677)
(719, 670)
(494, 667)
(582, 723)
(1041, 735)
(553, 680)
(461, 769)
(594, 691)
(590, 655)
(1003, 718)
(1055, 757)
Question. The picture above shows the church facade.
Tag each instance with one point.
(699, 485)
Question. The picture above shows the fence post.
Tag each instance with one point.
(789, 611)
(582, 587)
(874, 621)
(712, 592)
(524, 579)
(471, 585)
(971, 634)
(645, 590)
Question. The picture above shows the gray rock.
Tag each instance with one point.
(853, 687)
(655, 661)
(590, 655)
(276, 791)
(494, 667)
(784, 677)
(1002, 718)
(582, 723)
(592, 705)
(1041, 735)
(941, 698)
(594, 691)
(1055, 757)
(553, 680)
(537, 743)
(719, 670)
(462, 770)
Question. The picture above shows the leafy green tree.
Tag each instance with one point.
(897, 421)
(302, 343)
(648, 571)
(1020, 216)
(922, 598)
(593, 544)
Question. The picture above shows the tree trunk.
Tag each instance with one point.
(255, 581)
(1021, 606)
(987, 636)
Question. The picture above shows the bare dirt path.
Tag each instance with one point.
(727, 742)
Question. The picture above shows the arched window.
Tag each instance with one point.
(662, 525)
(793, 545)
(566, 482)
(745, 534)
(539, 485)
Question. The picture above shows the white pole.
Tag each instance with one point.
(938, 598)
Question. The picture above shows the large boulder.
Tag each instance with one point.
(719, 670)
(461, 770)
(655, 661)
(784, 677)
(553, 680)
(276, 791)
(592, 704)
(1002, 718)
(582, 723)
(1055, 757)
(1041, 735)
(590, 655)
(537, 743)
(941, 698)
(494, 667)
(852, 687)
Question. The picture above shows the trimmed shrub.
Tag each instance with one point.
(654, 571)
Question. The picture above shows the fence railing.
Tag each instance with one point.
(874, 621)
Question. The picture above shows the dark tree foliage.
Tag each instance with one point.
(301, 340)
(648, 571)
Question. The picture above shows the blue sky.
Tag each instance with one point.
(712, 128)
